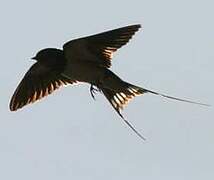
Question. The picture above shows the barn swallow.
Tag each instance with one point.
(88, 60)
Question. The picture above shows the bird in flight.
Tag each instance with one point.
(88, 60)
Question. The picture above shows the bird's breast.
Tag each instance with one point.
(84, 71)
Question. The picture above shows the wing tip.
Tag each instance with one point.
(11, 105)
(13, 108)
(134, 27)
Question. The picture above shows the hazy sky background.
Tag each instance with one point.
(70, 136)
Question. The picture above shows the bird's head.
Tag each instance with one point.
(50, 57)
(47, 54)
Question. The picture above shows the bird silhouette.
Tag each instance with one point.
(88, 60)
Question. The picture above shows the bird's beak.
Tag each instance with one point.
(34, 58)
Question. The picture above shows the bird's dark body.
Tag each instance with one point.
(85, 72)
(93, 74)
(82, 71)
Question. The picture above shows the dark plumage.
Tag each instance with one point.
(85, 60)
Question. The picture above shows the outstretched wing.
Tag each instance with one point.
(99, 48)
(37, 83)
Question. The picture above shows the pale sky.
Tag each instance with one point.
(68, 135)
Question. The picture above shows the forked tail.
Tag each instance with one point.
(119, 99)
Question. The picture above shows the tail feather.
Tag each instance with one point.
(140, 91)
(119, 99)
(177, 99)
